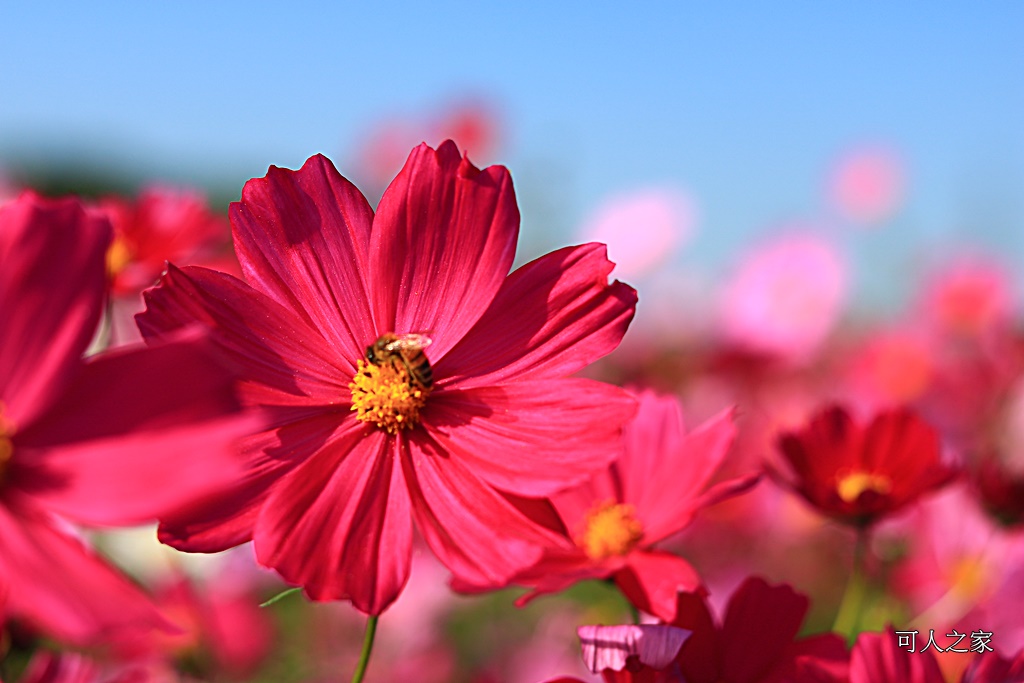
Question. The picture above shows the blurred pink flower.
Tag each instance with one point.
(785, 298)
(642, 229)
(968, 297)
(867, 184)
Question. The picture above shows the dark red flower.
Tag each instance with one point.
(364, 444)
(119, 439)
(1000, 490)
(756, 640)
(878, 658)
(991, 668)
(651, 492)
(858, 473)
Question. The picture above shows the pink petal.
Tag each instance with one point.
(558, 570)
(444, 239)
(531, 438)
(664, 478)
(52, 281)
(340, 525)
(473, 530)
(61, 587)
(302, 238)
(653, 579)
(227, 517)
(137, 435)
(610, 647)
(284, 360)
(551, 317)
(575, 504)
(877, 658)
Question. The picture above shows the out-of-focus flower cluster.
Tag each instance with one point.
(761, 484)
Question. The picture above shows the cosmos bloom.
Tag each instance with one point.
(755, 642)
(160, 225)
(860, 473)
(108, 441)
(867, 184)
(360, 450)
(969, 297)
(785, 298)
(71, 667)
(878, 658)
(991, 668)
(652, 491)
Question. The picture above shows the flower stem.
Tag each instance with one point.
(364, 656)
(852, 606)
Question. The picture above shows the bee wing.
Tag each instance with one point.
(409, 341)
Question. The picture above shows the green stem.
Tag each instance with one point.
(635, 613)
(852, 606)
(364, 656)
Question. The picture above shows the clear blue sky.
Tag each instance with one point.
(744, 104)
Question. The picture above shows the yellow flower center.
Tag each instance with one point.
(118, 256)
(968, 578)
(611, 530)
(851, 486)
(384, 395)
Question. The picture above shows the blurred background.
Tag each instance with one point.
(748, 116)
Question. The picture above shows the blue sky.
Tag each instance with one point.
(743, 105)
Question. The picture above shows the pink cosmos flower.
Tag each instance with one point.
(969, 297)
(643, 653)
(785, 298)
(755, 641)
(642, 229)
(652, 491)
(359, 449)
(867, 184)
(108, 441)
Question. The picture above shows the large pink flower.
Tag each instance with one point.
(361, 450)
(651, 492)
(113, 440)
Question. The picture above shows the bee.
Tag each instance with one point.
(406, 349)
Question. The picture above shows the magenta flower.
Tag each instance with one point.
(107, 441)
(651, 492)
(363, 446)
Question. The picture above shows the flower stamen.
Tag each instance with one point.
(384, 395)
(611, 530)
(851, 486)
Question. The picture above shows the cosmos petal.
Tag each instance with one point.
(226, 518)
(566, 317)
(611, 647)
(340, 525)
(110, 452)
(473, 530)
(302, 238)
(443, 241)
(284, 360)
(63, 588)
(652, 580)
(532, 438)
(749, 649)
(52, 281)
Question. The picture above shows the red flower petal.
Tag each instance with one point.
(444, 239)
(877, 658)
(111, 451)
(302, 237)
(283, 359)
(565, 315)
(52, 280)
(749, 649)
(700, 658)
(473, 530)
(652, 580)
(664, 471)
(531, 438)
(61, 587)
(340, 524)
(227, 518)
